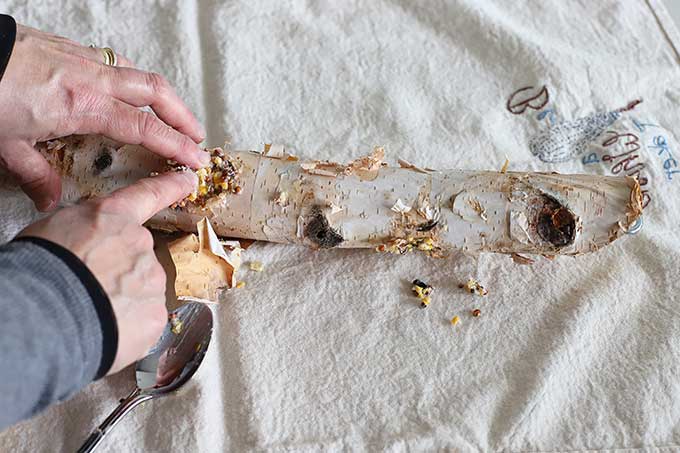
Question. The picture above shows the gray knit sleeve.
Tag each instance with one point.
(58, 330)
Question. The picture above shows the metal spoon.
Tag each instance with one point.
(169, 364)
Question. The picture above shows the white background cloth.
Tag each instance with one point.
(329, 350)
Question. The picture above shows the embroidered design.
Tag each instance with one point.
(548, 115)
(619, 152)
(569, 139)
(518, 103)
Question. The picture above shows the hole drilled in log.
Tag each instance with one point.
(556, 224)
(320, 232)
(103, 161)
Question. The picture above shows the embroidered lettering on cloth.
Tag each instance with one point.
(613, 142)
(569, 139)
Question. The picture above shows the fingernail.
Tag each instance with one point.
(201, 132)
(191, 177)
(204, 158)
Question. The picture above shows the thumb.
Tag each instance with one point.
(34, 174)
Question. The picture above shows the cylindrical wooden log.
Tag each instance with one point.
(366, 204)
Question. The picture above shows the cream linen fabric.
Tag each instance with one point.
(328, 351)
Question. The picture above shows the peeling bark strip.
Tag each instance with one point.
(366, 204)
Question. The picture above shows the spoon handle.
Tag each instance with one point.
(126, 405)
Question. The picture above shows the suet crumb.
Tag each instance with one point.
(422, 291)
(474, 287)
(176, 324)
(402, 246)
(220, 177)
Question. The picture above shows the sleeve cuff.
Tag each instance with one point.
(99, 298)
(8, 35)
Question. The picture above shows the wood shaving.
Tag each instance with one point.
(478, 208)
(523, 260)
(281, 199)
(274, 151)
(335, 208)
(370, 163)
(504, 168)
(55, 145)
(322, 168)
(242, 243)
(322, 172)
(400, 207)
(468, 207)
(406, 164)
(300, 227)
(426, 210)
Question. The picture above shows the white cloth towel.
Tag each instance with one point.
(328, 351)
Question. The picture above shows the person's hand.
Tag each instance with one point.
(53, 87)
(106, 234)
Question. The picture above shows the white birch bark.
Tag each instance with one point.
(368, 205)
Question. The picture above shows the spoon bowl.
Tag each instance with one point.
(168, 365)
(179, 351)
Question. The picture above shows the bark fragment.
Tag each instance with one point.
(523, 260)
(203, 264)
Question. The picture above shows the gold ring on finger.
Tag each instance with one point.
(110, 58)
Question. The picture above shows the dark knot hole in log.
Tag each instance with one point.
(103, 161)
(556, 223)
(320, 232)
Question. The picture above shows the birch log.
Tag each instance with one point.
(367, 204)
